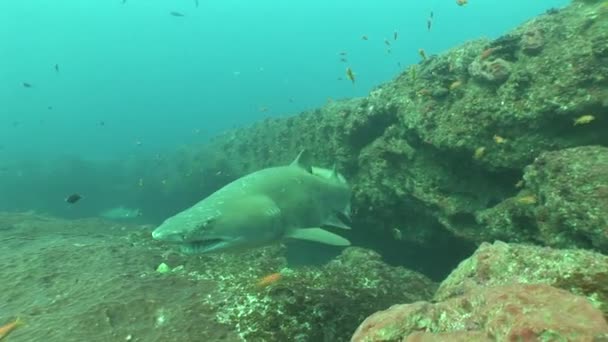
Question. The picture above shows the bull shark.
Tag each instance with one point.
(262, 208)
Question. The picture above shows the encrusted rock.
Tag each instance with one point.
(312, 304)
(564, 202)
(503, 313)
(578, 271)
(532, 41)
(492, 71)
(571, 187)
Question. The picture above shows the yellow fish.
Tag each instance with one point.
(499, 140)
(479, 152)
(9, 327)
(527, 200)
(583, 120)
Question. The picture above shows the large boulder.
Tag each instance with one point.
(503, 313)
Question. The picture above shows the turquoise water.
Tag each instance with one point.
(133, 79)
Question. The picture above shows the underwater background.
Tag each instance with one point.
(165, 81)
(116, 91)
(458, 124)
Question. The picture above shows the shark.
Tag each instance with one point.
(262, 208)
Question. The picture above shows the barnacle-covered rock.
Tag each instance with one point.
(579, 271)
(315, 304)
(564, 202)
(503, 313)
(532, 41)
(493, 71)
(572, 190)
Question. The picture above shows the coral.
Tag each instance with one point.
(502, 313)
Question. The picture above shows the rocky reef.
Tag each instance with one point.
(500, 139)
(77, 280)
(506, 292)
(502, 313)
(482, 142)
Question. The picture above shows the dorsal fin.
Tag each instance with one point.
(303, 161)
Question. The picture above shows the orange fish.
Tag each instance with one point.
(9, 327)
(269, 280)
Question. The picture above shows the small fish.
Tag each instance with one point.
(455, 85)
(342, 53)
(397, 234)
(395, 35)
(479, 152)
(177, 14)
(196, 3)
(429, 23)
(499, 140)
(49, 107)
(269, 280)
(527, 200)
(9, 327)
(350, 75)
(73, 198)
(26, 85)
(387, 42)
(364, 37)
(343, 60)
(583, 120)
(56, 67)
(487, 53)
(422, 54)
(431, 15)
(462, 2)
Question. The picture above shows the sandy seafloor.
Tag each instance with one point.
(94, 280)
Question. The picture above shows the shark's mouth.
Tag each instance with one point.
(203, 246)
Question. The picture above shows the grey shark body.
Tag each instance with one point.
(262, 208)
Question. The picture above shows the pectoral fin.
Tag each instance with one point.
(318, 235)
(334, 221)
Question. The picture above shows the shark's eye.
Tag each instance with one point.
(209, 222)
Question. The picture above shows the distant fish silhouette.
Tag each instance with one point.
(73, 198)
(26, 85)
(56, 67)
(196, 3)
(177, 14)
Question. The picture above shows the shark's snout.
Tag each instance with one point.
(163, 235)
